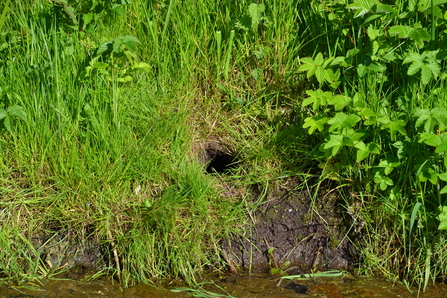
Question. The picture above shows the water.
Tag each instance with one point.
(239, 286)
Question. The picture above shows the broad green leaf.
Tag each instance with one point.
(438, 141)
(100, 65)
(401, 31)
(3, 114)
(315, 122)
(395, 126)
(369, 116)
(317, 98)
(442, 217)
(434, 68)
(443, 190)
(343, 121)
(373, 33)
(319, 60)
(354, 135)
(7, 122)
(427, 173)
(255, 11)
(334, 144)
(413, 57)
(431, 118)
(143, 66)
(17, 111)
(389, 164)
(415, 67)
(340, 102)
(443, 176)
(129, 41)
(383, 181)
(339, 61)
(105, 47)
(426, 74)
(320, 73)
(365, 149)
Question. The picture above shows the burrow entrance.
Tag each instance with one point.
(217, 158)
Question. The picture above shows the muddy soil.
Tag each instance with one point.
(296, 233)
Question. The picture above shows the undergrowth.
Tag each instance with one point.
(102, 102)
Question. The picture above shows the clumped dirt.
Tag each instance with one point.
(64, 249)
(294, 233)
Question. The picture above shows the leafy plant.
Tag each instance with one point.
(116, 59)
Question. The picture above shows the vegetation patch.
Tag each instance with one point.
(103, 105)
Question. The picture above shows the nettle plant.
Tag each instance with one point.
(364, 131)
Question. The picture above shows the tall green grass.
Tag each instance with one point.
(117, 158)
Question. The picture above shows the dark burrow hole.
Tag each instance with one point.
(219, 161)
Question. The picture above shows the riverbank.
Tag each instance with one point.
(143, 139)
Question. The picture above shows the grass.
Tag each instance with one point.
(107, 147)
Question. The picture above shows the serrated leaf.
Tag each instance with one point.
(443, 176)
(389, 164)
(255, 11)
(415, 67)
(339, 61)
(105, 47)
(340, 102)
(7, 122)
(315, 122)
(317, 98)
(426, 74)
(130, 41)
(320, 73)
(343, 121)
(319, 60)
(413, 57)
(364, 150)
(395, 126)
(17, 111)
(143, 66)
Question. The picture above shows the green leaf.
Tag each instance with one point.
(443, 176)
(100, 65)
(256, 11)
(364, 150)
(340, 102)
(414, 67)
(104, 48)
(389, 164)
(3, 114)
(7, 122)
(401, 31)
(431, 119)
(315, 122)
(395, 126)
(17, 111)
(383, 181)
(143, 66)
(343, 121)
(442, 217)
(426, 74)
(317, 98)
(428, 173)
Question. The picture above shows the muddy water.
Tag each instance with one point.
(239, 286)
